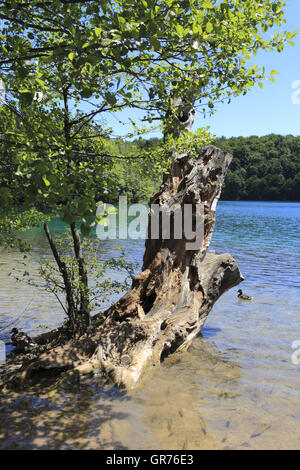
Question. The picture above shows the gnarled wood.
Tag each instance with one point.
(171, 298)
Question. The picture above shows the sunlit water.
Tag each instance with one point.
(236, 387)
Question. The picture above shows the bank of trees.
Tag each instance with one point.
(263, 168)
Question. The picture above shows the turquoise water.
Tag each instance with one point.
(236, 387)
(264, 239)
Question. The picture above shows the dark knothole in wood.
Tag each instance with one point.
(148, 302)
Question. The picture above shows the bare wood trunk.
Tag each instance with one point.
(171, 298)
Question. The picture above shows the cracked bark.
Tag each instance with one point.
(172, 296)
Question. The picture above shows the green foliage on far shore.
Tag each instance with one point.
(262, 168)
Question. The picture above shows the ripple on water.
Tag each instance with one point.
(236, 387)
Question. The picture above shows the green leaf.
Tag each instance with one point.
(179, 29)
(86, 93)
(26, 97)
(110, 98)
(47, 182)
(209, 27)
(40, 82)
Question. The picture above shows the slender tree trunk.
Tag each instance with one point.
(83, 275)
(66, 278)
(83, 315)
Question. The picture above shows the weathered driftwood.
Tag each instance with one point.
(170, 299)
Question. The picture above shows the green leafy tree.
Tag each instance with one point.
(66, 65)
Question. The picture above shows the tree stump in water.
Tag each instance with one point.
(172, 296)
(170, 299)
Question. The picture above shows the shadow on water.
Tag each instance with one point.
(236, 386)
(209, 332)
(78, 417)
(164, 412)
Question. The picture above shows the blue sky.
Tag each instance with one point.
(267, 110)
(261, 111)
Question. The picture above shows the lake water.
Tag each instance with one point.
(235, 388)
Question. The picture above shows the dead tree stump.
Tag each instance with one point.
(172, 296)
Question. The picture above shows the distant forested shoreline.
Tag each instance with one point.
(263, 168)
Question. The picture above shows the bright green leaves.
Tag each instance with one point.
(276, 7)
(129, 36)
(46, 181)
(274, 72)
(209, 27)
(290, 35)
(40, 82)
(207, 5)
(98, 31)
(179, 29)
(117, 55)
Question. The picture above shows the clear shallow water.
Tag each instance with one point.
(236, 387)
